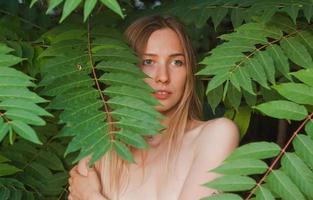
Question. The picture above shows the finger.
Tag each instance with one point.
(82, 166)
(72, 171)
(70, 181)
(69, 189)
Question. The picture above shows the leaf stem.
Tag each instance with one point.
(282, 151)
(260, 48)
(106, 109)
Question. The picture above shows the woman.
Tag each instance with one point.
(188, 146)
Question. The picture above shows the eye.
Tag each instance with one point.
(147, 62)
(178, 62)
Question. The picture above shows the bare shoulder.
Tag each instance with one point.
(220, 132)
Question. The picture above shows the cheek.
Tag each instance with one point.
(180, 80)
(148, 71)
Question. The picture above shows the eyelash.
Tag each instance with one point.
(181, 63)
(143, 62)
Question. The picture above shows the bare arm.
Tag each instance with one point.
(216, 141)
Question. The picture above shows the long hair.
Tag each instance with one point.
(111, 168)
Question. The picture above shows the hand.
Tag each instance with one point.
(84, 187)
(82, 166)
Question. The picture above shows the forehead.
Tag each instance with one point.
(163, 41)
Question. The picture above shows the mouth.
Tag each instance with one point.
(162, 94)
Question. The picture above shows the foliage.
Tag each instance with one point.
(72, 89)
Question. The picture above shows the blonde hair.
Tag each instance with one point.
(111, 168)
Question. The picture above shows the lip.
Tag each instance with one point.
(162, 94)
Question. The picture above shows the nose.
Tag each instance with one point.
(162, 74)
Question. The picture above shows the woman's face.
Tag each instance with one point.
(164, 62)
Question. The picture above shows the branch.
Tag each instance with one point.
(282, 151)
(106, 109)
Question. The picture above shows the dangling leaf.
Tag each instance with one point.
(281, 184)
(299, 173)
(296, 92)
(297, 52)
(69, 6)
(88, 7)
(255, 150)
(230, 183)
(283, 110)
(303, 145)
(304, 75)
(262, 193)
(113, 5)
(242, 167)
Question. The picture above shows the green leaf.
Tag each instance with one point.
(263, 193)
(242, 167)
(256, 71)
(24, 116)
(53, 4)
(24, 105)
(89, 138)
(244, 80)
(9, 60)
(4, 49)
(234, 96)
(304, 75)
(234, 82)
(4, 128)
(113, 5)
(299, 173)
(255, 150)
(282, 109)
(132, 139)
(137, 93)
(306, 37)
(281, 184)
(3, 159)
(280, 59)
(230, 183)
(218, 15)
(4, 193)
(267, 63)
(292, 11)
(118, 79)
(25, 131)
(224, 196)
(308, 128)
(6, 169)
(216, 81)
(308, 12)
(237, 17)
(250, 98)
(123, 151)
(50, 160)
(32, 3)
(215, 96)
(242, 119)
(20, 93)
(69, 6)
(297, 52)
(303, 146)
(88, 7)
(296, 92)
(120, 102)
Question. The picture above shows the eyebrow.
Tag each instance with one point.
(172, 55)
